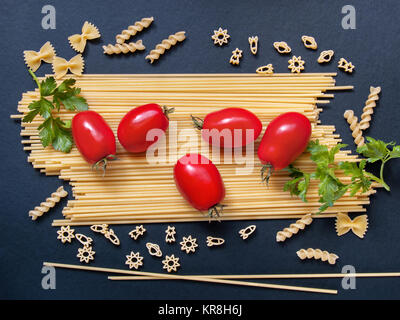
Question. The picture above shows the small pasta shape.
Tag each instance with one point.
(124, 47)
(309, 42)
(267, 69)
(325, 56)
(317, 254)
(129, 32)
(370, 104)
(294, 228)
(352, 120)
(61, 66)
(34, 59)
(49, 203)
(253, 41)
(78, 41)
(166, 44)
(282, 47)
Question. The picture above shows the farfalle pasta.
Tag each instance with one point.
(49, 203)
(89, 32)
(61, 66)
(34, 59)
(133, 29)
(358, 225)
(166, 44)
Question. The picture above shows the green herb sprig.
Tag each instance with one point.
(54, 131)
(330, 188)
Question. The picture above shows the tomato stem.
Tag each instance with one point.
(167, 111)
(266, 172)
(216, 211)
(197, 122)
(103, 163)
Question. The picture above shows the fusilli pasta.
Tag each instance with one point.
(370, 104)
(124, 47)
(352, 120)
(133, 29)
(49, 203)
(294, 228)
(166, 44)
(317, 254)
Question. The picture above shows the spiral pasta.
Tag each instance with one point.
(294, 228)
(166, 44)
(317, 254)
(49, 203)
(133, 29)
(124, 47)
(352, 120)
(370, 104)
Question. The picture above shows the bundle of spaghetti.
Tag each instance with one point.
(137, 190)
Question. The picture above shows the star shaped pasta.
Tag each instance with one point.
(189, 244)
(134, 260)
(236, 55)
(66, 234)
(296, 64)
(137, 232)
(85, 254)
(171, 263)
(346, 66)
(220, 36)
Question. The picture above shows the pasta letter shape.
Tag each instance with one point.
(124, 47)
(166, 44)
(49, 203)
(344, 224)
(132, 30)
(34, 59)
(317, 254)
(352, 120)
(370, 104)
(78, 41)
(61, 66)
(294, 228)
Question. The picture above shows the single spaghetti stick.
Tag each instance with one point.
(166, 44)
(124, 47)
(49, 203)
(352, 120)
(133, 29)
(317, 254)
(370, 104)
(294, 228)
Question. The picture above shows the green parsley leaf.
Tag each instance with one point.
(47, 87)
(374, 150)
(54, 131)
(299, 184)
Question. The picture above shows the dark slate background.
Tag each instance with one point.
(372, 47)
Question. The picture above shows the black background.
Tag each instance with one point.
(373, 49)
